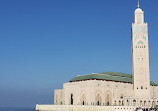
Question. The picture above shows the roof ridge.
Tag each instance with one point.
(102, 76)
(87, 74)
(115, 72)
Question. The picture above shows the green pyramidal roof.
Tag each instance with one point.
(109, 76)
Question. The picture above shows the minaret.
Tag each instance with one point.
(140, 56)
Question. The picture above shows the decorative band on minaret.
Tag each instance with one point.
(140, 55)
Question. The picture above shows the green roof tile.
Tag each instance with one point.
(109, 76)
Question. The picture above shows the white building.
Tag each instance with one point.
(111, 88)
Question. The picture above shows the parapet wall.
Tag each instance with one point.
(83, 108)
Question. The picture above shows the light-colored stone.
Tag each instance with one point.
(102, 95)
(83, 108)
(140, 54)
(92, 91)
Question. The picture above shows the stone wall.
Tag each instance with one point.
(82, 108)
(104, 93)
(58, 96)
(96, 90)
(92, 91)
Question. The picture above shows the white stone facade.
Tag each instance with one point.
(59, 96)
(82, 108)
(140, 54)
(104, 93)
(112, 93)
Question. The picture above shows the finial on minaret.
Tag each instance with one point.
(138, 4)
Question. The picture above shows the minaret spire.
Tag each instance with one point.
(138, 4)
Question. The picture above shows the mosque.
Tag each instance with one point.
(113, 88)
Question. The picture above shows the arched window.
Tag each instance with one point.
(98, 99)
(83, 99)
(140, 103)
(122, 103)
(127, 102)
(134, 102)
(115, 103)
(108, 98)
(149, 103)
(119, 103)
(144, 103)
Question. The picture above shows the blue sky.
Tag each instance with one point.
(45, 43)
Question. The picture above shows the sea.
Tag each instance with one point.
(16, 109)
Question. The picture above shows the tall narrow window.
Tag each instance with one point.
(127, 103)
(120, 103)
(83, 103)
(140, 103)
(134, 102)
(71, 99)
(98, 103)
(144, 103)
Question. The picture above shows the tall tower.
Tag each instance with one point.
(140, 56)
